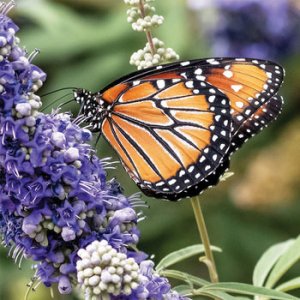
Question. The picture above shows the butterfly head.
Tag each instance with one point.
(81, 95)
(92, 107)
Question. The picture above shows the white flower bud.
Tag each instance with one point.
(94, 280)
(58, 139)
(24, 109)
(88, 272)
(71, 154)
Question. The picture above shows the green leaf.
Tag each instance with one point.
(188, 278)
(221, 295)
(188, 291)
(290, 285)
(247, 289)
(179, 255)
(268, 260)
(183, 289)
(285, 262)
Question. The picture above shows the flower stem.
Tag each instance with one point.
(209, 258)
(148, 32)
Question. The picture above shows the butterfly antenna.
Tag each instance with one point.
(58, 90)
(57, 100)
(65, 103)
(97, 140)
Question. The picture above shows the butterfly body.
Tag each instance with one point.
(175, 126)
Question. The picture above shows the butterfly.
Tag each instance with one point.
(175, 126)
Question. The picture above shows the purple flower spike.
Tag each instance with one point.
(56, 207)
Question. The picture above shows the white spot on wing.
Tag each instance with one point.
(181, 173)
(236, 87)
(212, 61)
(172, 181)
(215, 137)
(198, 71)
(239, 104)
(211, 99)
(161, 84)
(185, 63)
(191, 169)
(200, 77)
(228, 74)
(189, 84)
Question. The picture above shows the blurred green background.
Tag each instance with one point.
(88, 43)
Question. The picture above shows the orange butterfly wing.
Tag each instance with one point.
(166, 117)
(169, 133)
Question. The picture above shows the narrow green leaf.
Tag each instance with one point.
(268, 260)
(188, 278)
(187, 291)
(290, 285)
(247, 289)
(219, 295)
(183, 289)
(285, 262)
(182, 254)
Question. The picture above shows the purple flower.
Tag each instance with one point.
(55, 198)
(55, 201)
(251, 28)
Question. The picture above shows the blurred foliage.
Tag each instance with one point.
(87, 43)
(275, 164)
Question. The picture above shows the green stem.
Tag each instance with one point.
(209, 258)
(148, 32)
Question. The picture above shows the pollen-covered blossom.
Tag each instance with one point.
(250, 28)
(55, 200)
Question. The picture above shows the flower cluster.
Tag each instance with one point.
(55, 200)
(143, 58)
(142, 18)
(250, 28)
(104, 271)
